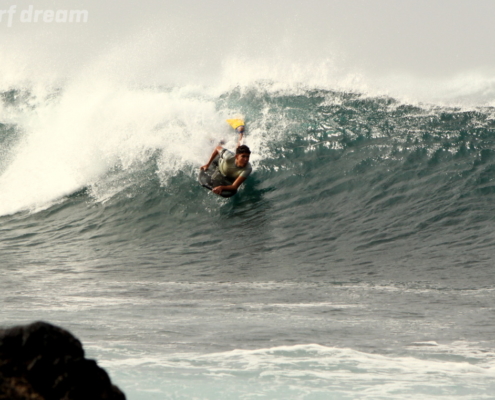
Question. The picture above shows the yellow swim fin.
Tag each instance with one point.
(235, 123)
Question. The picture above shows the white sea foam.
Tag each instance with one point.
(72, 142)
(306, 371)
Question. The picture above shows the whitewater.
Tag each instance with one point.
(356, 262)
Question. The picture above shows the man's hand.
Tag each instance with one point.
(204, 167)
(217, 190)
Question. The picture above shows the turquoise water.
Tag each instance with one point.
(356, 262)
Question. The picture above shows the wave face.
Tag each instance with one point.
(345, 185)
(356, 257)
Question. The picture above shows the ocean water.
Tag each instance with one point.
(355, 263)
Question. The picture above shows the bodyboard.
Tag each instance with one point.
(212, 178)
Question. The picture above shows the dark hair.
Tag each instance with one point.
(242, 150)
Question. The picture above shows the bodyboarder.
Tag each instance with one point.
(233, 168)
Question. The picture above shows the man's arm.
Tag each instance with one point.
(241, 136)
(240, 131)
(232, 187)
(217, 150)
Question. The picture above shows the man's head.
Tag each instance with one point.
(242, 154)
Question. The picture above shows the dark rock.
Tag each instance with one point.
(44, 362)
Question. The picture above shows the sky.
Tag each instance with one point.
(160, 41)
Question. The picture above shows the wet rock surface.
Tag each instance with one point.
(42, 361)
